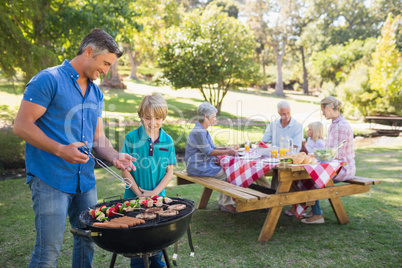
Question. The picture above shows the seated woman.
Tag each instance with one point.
(338, 131)
(201, 152)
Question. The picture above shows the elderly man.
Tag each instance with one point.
(285, 126)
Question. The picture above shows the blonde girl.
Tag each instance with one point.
(315, 137)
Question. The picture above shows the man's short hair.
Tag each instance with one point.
(283, 105)
(101, 43)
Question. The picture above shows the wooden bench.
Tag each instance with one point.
(248, 199)
(241, 194)
(392, 120)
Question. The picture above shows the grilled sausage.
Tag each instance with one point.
(109, 224)
(123, 221)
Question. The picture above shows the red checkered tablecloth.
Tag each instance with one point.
(320, 175)
(242, 171)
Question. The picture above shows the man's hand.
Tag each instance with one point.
(124, 162)
(71, 154)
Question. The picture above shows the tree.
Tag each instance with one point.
(34, 35)
(344, 20)
(211, 52)
(274, 20)
(142, 43)
(335, 63)
(386, 73)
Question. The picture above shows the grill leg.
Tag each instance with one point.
(112, 262)
(165, 255)
(146, 260)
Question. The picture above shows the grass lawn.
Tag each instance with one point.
(372, 238)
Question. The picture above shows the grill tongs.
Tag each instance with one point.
(124, 182)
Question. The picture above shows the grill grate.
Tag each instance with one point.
(88, 220)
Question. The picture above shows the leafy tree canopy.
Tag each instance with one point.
(38, 34)
(386, 72)
(211, 52)
(336, 62)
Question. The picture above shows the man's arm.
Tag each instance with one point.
(267, 134)
(297, 138)
(25, 127)
(103, 147)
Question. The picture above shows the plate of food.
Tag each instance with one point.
(298, 159)
(271, 160)
(250, 157)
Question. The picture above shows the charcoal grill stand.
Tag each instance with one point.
(145, 256)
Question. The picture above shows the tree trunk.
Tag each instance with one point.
(133, 71)
(305, 81)
(279, 59)
(263, 65)
(279, 82)
(134, 62)
(113, 79)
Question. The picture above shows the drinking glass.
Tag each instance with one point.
(274, 151)
(247, 146)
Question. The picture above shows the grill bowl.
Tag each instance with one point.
(153, 236)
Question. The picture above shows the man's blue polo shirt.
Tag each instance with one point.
(69, 117)
(152, 159)
(275, 131)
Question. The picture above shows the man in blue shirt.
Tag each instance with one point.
(284, 127)
(60, 109)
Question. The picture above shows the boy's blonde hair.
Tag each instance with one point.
(154, 105)
(318, 130)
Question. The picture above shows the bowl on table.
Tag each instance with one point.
(263, 151)
(325, 155)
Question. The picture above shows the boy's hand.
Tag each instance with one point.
(146, 193)
(124, 162)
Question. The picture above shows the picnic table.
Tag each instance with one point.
(243, 172)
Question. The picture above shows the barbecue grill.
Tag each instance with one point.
(141, 240)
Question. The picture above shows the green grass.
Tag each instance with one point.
(372, 238)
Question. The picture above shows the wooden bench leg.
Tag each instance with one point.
(270, 224)
(273, 215)
(338, 208)
(206, 194)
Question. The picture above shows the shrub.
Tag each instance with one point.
(12, 150)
